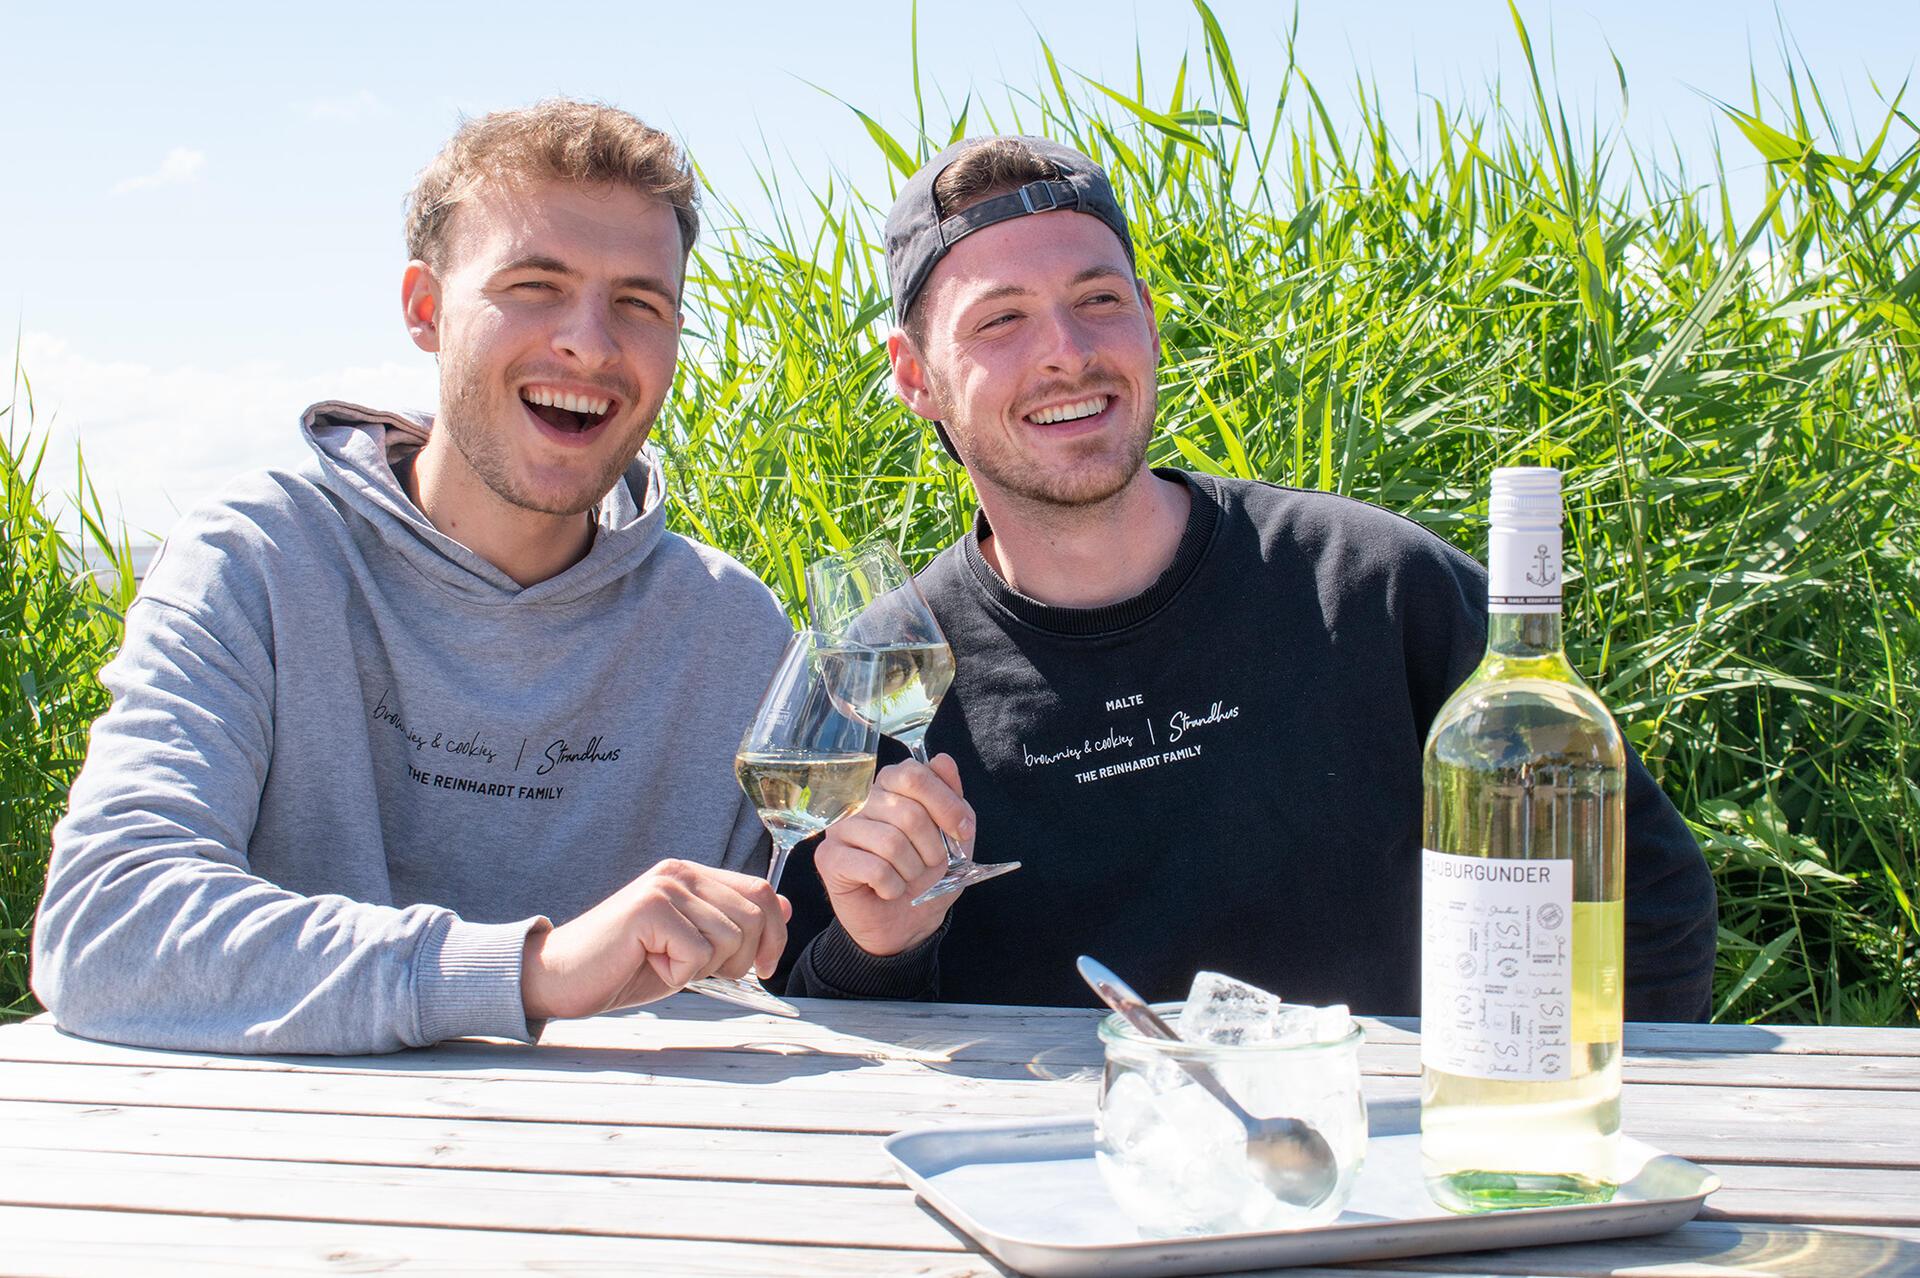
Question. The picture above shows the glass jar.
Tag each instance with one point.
(1176, 1161)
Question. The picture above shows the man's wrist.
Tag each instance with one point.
(895, 949)
(533, 992)
(931, 920)
(840, 968)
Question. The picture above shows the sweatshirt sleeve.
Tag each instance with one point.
(1672, 918)
(832, 966)
(154, 931)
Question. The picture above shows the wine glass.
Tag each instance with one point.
(866, 600)
(804, 765)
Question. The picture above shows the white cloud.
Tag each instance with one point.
(158, 441)
(181, 165)
(351, 108)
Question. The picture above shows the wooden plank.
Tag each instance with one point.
(1751, 1192)
(945, 1030)
(62, 1243)
(888, 1021)
(835, 1102)
(1810, 1195)
(748, 1060)
(718, 1048)
(474, 1144)
(1715, 1040)
(1840, 1127)
(533, 1202)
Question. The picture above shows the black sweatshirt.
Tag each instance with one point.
(1224, 772)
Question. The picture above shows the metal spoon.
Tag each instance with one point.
(1291, 1157)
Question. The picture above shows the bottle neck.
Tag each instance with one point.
(1524, 635)
(1523, 590)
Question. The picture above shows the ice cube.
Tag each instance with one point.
(1295, 1024)
(1331, 1024)
(1127, 1112)
(1291, 1025)
(1222, 1010)
(1194, 1154)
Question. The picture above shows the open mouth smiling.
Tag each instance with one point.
(564, 410)
(1076, 410)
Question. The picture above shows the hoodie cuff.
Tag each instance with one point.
(468, 981)
(834, 966)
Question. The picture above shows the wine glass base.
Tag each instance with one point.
(974, 872)
(746, 991)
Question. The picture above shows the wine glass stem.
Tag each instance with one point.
(917, 747)
(777, 860)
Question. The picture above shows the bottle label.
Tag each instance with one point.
(1496, 967)
(1523, 570)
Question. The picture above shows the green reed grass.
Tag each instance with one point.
(60, 621)
(1733, 402)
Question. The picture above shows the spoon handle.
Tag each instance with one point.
(1120, 996)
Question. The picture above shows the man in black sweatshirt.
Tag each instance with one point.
(1192, 707)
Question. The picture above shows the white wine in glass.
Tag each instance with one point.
(799, 793)
(887, 664)
(908, 680)
(804, 764)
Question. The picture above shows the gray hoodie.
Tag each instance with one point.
(349, 763)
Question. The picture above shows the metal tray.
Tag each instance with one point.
(1029, 1192)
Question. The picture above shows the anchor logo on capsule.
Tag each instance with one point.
(1543, 566)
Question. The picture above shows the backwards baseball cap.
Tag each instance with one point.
(919, 233)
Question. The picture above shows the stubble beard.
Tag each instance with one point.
(1088, 483)
(465, 407)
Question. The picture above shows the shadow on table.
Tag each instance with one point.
(750, 1060)
(1801, 1249)
(747, 1062)
(1744, 1248)
(989, 1042)
(1393, 1116)
(1711, 1246)
(1011, 1043)
(1680, 1040)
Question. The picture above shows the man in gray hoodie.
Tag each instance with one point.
(433, 734)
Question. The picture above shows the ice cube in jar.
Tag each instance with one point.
(1174, 1159)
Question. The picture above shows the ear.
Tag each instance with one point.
(420, 305)
(1153, 320)
(910, 376)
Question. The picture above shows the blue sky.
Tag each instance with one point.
(202, 229)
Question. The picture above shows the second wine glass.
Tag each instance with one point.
(804, 764)
(888, 647)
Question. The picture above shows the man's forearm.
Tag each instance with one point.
(153, 928)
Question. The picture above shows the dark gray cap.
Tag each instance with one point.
(918, 234)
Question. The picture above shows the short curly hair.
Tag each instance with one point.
(584, 142)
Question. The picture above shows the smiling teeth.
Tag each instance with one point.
(545, 398)
(1069, 412)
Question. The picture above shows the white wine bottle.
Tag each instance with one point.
(1522, 921)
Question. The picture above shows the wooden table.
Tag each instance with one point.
(691, 1139)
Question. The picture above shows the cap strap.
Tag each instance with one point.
(1034, 197)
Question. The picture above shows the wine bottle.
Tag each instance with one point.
(1522, 921)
